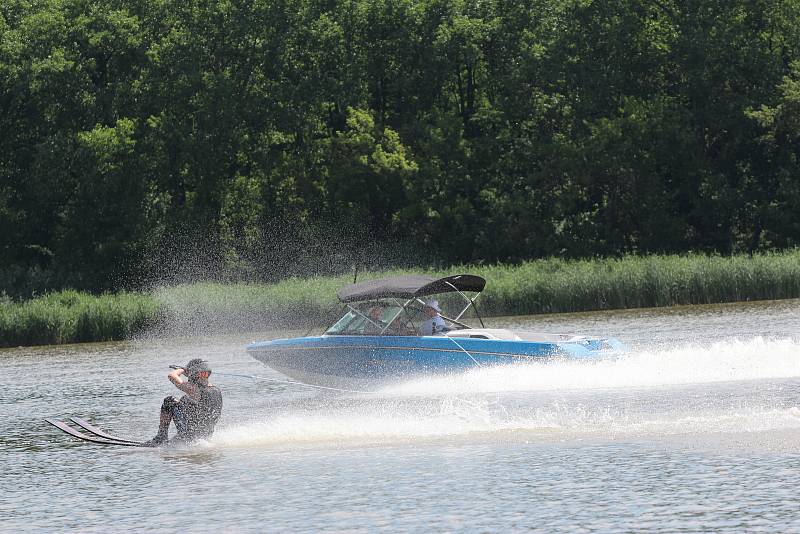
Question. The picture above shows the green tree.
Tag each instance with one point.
(775, 187)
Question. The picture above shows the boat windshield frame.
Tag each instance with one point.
(470, 302)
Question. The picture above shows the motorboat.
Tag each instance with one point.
(380, 337)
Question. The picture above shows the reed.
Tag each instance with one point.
(73, 317)
(554, 285)
(542, 286)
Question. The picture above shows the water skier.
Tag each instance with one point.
(197, 412)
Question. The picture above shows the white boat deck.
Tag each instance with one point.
(510, 335)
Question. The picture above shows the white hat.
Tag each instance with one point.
(433, 304)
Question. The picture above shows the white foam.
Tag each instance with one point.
(729, 360)
(367, 422)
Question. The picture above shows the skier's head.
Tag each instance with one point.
(198, 368)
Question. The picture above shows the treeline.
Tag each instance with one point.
(260, 138)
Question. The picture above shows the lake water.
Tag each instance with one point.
(697, 429)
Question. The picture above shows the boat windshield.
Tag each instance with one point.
(374, 319)
(384, 318)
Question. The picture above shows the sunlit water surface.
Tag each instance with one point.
(697, 429)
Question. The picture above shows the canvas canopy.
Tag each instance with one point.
(410, 286)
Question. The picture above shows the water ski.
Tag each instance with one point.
(86, 425)
(97, 435)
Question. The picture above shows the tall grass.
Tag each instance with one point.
(553, 285)
(542, 286)
(72, 317)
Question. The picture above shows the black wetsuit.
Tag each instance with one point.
(196, 420)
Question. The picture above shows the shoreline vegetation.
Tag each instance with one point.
(534, 287)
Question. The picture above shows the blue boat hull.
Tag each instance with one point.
(365, 361)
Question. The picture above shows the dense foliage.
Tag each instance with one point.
(262, 137)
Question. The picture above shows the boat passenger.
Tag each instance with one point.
(434, 324)
(398, 327)
(197, 412)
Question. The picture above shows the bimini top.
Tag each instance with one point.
(410, 286)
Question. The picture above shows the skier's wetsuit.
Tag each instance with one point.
(195, 419)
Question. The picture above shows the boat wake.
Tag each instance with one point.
(730, 360)
(731, 387)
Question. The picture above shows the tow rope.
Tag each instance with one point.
(291, 382)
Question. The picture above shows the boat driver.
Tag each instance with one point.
(197, 412)
(375, 325)
(434, 324)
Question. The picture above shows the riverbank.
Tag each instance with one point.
(542, 286)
